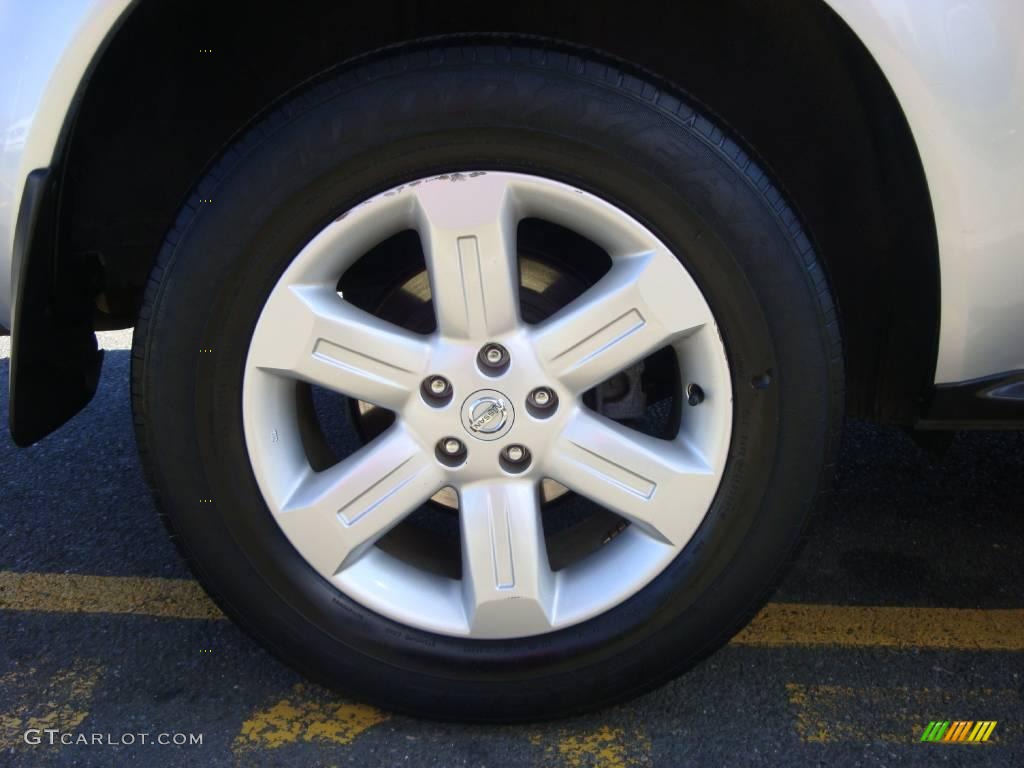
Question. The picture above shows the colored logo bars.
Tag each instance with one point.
(958, 730)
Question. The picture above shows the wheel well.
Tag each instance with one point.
(181, 77)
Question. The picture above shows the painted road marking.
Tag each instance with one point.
(313, 715)
(778, 624)
(307, 714)
(960, 629)
(35, 699)
(74, 593)
(602, 747)
(833, 713)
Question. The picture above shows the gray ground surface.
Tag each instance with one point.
(904, 530)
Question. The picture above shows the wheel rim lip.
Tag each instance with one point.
(426, 601)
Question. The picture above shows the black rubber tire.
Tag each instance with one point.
(409, 114)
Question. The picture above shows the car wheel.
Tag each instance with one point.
(489, 383)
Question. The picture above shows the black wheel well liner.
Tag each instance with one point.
(180, 79)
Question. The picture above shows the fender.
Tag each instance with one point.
(956, 69)
(46, 52)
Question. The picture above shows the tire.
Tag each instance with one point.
(615, 135)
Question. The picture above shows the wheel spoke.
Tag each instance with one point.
(334, 516)
(662, 487)
(468, 228)
(508, 586)
(645, 302)
(313, 335)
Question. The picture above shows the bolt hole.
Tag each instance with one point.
(763, 380)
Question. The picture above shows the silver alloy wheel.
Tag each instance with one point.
(467, 224)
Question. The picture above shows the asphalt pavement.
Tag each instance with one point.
(906, 607)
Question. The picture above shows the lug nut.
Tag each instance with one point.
(438, 385)
(515, 454)
(451, 446)
(493, 357)
(437, 390)
(450, 451)
(542, 397)
(515, 459)
(541, 402)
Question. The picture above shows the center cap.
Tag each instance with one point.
(487, 414)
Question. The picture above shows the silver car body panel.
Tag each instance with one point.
(956, 66)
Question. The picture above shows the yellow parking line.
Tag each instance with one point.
(307, 714)
(33, 699)
(75, 593)
(960, 629)
(778, 624)
(602, 747)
